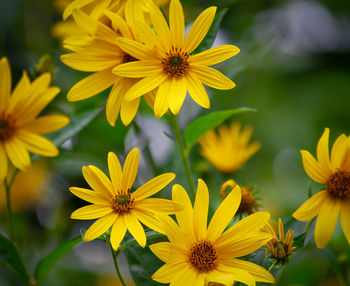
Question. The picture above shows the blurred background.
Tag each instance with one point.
(293, 68)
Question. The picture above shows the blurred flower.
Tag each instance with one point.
(248, 203)
(166, 63)
(27, 188)
(113, 281)
(230, 148)
(20, 129)
(99, 53)
(197, 254)
(328, 204)
(280, 248)
(113, 204)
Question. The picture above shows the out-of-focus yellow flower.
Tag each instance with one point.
(27, 188)
(228, 149)
(280, 247)
(197, 254)
(112, 281)
(248, 203)
(334, 173)
(20, 126)
(166, 61)
(113, 204)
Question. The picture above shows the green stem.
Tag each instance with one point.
(185, 162)
(115, 260)
(272, 266)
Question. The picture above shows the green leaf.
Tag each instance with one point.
(198, 127)
(211, 35)
(299, 240)
(11, 260)
(46, 263)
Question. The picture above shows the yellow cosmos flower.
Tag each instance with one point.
(166, 62)
(114, 205)
(228, 149)
(197, 254)
(280, 248)
(20, 129)
(99, 53)
(334, 173)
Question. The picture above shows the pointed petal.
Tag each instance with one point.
(91, 212)
(135, 228)
(224, 213)
(21, 88)
(100, 226)
(114, 101)
(323, 151)
(326, 221)
(130, 169)
(313, 168)
(149, 219)
(115, 171)
(200, 210)
(160, 26)
(197, 91)
(168, 271)
(177, 94)
(89, 196)
(174, 233)
(212, 77)
(153, 186)
(4, 162)
(46, 124)
(213, 56)
(128, 110)
(176, 23)
(199, 29)
(37, 144)
(118, 232)
(339, 150)
(344, 218)
(311, 207)
(5, 82)
(163, 250)
(17, 153)
(134, 49)
(77, 4)
(97, 183)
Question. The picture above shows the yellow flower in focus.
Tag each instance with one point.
(229, 149)
(197, 254)
(334, 200)
(248, 203)
(166, 61)
(27, 188)
(280, 248)
(114, 205)
(20, 126)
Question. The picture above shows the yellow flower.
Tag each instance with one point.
(280, 248)
(228, 149)
(334, 200)
(114, 205)
(99, 53)
(248, 203)
(197, 254)
(20, 129)
(166, 61)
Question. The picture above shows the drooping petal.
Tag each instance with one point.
(4, 162)
(5, 83)
(130, 169)
(212, 77)
(115, 100)
(46, 124)
(118, 232)
(128, 110)
(90, 196)
(197, 91)
(224, 213)
(311, 207)
(161, 103)
(115, 171)
(176, 23)
(153, 186)
(135, 228)
(100, 227)
(323, 151)
(91, 212)
(17, 153)
(326, 221)
(313, 168)
(37, 144)
(344, 218)
(178, 93)
(200, 210)
(214, 56)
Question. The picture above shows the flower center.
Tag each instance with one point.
(338, 184)
(123, 203)
(175, 63)
(7, 128)
(248, 202)
(203, 256)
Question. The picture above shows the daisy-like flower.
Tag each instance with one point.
(229, 149)
(99, 53)
(113, 204)
(20, 126)
(334, 200)
(166, 61)
(197, 254)
(280, 248)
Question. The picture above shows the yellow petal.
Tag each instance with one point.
(118, 232)
(224, 213)
(177, 23)
(158, 205)
(138, 69)
(212, 77)
(200, 210)
(77, 4)
(238, 274)
(17, 153)
(326, 221)
(323, 151)
(153, 186)
(145, 34)
(177, 94)
(199, 29)
(91, 85)
(118, 23)
(89, 196)
(46, 124)
(186, 277)
(339, 150)
(128, 110)
(149, 219)
(130, 169)
(134, 49)
(160, 26)
(174, 233)
(98, 183)
(161, 103)
(114, 101)
(313, 169)
(168, 271)
(100, 226)
(115, 171)
(135, 228)
(344, 218)
(213, 56)
(5, 83)
(311, 207)
(37, 144)
(163, 250)
(197, 91)
(21, 88)
(4, 163)
(91, 212)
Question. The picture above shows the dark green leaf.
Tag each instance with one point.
(45, 264)
(211, 35)
(299, 240)
(10, 259)
(198, 127)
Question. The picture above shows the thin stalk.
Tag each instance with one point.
(115, 260)
(185, 162)
(271, 268)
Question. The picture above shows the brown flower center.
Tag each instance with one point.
(338, 184)
(248, 203)
(203, 256)
(7, 127)
(175, 63)
(123, 203)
